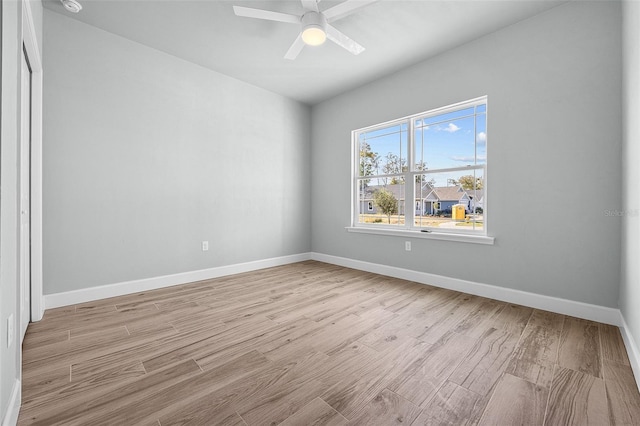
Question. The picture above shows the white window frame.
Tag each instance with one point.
(409, 228)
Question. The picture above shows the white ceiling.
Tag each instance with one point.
(395, 33)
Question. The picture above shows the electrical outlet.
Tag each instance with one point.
(407, 245)
(205, 245)
(10, 330)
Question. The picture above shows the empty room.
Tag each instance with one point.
(305, 212)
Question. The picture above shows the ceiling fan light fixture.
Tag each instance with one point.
(313, 36)
(313, 28)
(314, 25)
(71, 5)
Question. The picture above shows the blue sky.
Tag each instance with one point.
(442, 141)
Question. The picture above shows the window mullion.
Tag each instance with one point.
(409, 180)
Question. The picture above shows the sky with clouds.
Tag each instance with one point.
(455, 139)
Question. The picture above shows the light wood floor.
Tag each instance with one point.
(317, 344)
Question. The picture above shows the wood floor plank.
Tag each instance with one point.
(207, 319)
(401, 292)
(486, 361)
(428, 303)
(516, 402)
(276, 406)
(353, 393)
(65, 353)
(35, 340)
(547, 319)
(336, 334)
(623, 397)
(258, 385)
(513, 318)
(354, 360)
(307, 306)
(480, 320)
(577, 399)
(461, 306)
(330, 342)
(313, 343)
(419, 293)
(97, 403)
(131, 369)
(97, 333)
(386, 337)
(386, 408)
(422, 379)
(209, 413)
(316, 413)
(54, 313)
(271, 336)
(141, 346)
(138, 408)
(205, 346)
(84, 383)
(44, 384)
(145, 328)
(451, 405)
(535, 355)
(78, 318)
(427, 318)
(113, 319)
(580, 347)
(613, 347)
(294, 331)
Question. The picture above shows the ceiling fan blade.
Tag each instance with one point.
(295, 48)
(310, 5)
(266, 14)
(343, 41)
(346, 8)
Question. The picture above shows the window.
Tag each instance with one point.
(425, 172)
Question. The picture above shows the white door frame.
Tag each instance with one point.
(30, 43)
(24, 251)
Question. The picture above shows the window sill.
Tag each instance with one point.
(463, 238)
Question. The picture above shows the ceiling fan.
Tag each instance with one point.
(315, 26)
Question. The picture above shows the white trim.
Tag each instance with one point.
(119, 289)
(30, 42)
(597, 313)
(13, 410)
(632, 350)
(432, 235)
(357, 207)
(429, 113)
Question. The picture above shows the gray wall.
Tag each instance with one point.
(630, 284)
(147, 155)
(10, 115)
(11, 15)
(554, 127)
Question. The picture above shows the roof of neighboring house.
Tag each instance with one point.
(450, 193)
(396, 190)
(477, 194)
(443, 193)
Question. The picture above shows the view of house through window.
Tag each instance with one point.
(426, 171)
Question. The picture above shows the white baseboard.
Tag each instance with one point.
(11, 416)
(119, 289)
(632, 350)
(554, 304)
